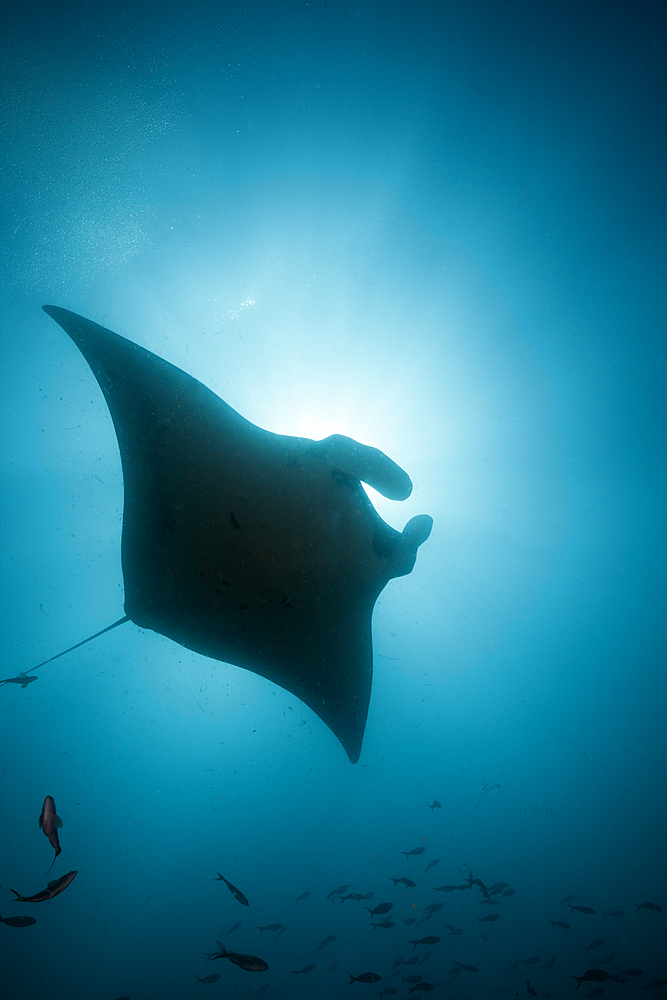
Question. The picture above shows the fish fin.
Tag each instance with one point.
(57, 821)
(51, 865)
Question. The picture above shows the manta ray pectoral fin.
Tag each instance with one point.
(370, 465)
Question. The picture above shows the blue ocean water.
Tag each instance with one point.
(438, 229)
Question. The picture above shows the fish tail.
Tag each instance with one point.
(53, 862)
(352, 979)
(19, 897)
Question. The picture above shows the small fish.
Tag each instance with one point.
(468, 968)
(234, 928)
(351, 895)
(446, 888)
(488, 918)
(22, 679)
(53, 889)
(592, 976)
(425, 940)
(582, 909)
(338, 892)
(530, 989)
(387, 924)
(18, 921)
(365, 977)
(248, 962)
(213, 978)
(595, 944)
(435, 805)
(550, 964)
(406, 881)
(306, 968)
(234, 891)
(433, 907)
(414, 852)
(560, 923)
(50, 824)
(432, 864)
(270, 927)
(410, 921)
(631, 972)
(323, 944)
(304, 895)
(648, 906)
(379, 909)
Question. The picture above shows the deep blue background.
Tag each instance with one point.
(439, 229)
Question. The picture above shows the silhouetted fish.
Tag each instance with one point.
(648, 906)
(270, 927)
(631, 972)
(379, 909)
(446, 888)
(425, 940)
(435, 805)
(50, 824)
(582, 909)
(213, 978)
(431, 864)
(306, 968)
(22, 679)
(595, 944)
(468, 968)
(235, 927)
(530, 989)
(406, 881)
(53, 888)
(387, 924)
(251, 963)
(323, 944)
(414, 852)
(488, 918)
(304, 895)
(234, 891)
(338, 892)
(560, 923)
(365, 977)
(18, 921)
(592, 976)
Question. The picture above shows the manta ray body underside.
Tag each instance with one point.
(250, 547)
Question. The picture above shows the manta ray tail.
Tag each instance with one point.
(83, 642)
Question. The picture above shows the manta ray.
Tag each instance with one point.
(250, 547)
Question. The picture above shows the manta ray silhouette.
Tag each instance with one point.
(250, 547)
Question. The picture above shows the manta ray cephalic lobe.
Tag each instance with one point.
(253, 548)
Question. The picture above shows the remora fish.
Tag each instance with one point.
(53, 889)
(50, 823)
